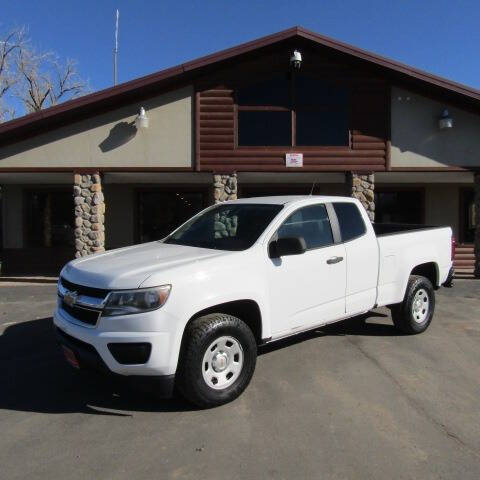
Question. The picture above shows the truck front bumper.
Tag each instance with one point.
(95, 349)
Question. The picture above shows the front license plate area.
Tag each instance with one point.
(70, 357)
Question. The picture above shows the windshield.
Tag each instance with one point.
(234, 226)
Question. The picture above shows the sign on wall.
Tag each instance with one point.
(294, 159)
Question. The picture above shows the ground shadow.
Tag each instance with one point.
(34, 377)
(361, 325)
(119, 135)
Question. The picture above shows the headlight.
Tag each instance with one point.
(126, 302)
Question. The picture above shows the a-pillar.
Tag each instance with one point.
(361, 186)
(89, 213)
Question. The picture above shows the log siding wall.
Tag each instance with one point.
(216, 135)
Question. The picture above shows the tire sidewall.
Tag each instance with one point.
(231, 327)
(419, 283)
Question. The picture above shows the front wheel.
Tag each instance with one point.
(217, 361)
(415, 313)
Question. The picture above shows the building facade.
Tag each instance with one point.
(83, 176)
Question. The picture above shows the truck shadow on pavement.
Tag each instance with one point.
(361, 325)
(34, 377)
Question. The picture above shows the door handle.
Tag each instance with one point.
(333, 260)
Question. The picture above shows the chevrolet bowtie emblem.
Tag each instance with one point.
(70, 298)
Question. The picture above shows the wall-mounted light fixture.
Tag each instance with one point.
(142, 120)
(445, 120)
(296, 59)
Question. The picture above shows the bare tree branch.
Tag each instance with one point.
(37, 80)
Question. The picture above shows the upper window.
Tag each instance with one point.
(293, 110)
(350, 220)
(311, 223)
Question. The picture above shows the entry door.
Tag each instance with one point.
(307, 289)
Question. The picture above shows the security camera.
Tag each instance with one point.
(296, 59)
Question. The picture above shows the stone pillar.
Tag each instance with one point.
(362, 187)
(477, 224)
(89, 214)
(224, 187)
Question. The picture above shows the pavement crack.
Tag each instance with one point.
(412, 401)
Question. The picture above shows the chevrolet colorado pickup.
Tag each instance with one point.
(190, 310)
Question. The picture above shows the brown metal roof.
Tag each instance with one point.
(110, 98)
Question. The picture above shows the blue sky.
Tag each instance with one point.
(439, 36)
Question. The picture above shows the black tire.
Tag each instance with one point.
(403, 315)
(199, 336)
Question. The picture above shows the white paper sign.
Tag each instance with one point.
(294, 159)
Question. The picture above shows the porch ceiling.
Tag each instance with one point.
(43, 178)
(157, 177)
(424, 177)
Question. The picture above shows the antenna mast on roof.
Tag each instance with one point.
(115, 51)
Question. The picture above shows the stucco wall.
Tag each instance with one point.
(12, 216)
(442, 206)
(418, 142)
(119, 215)
(111, 139)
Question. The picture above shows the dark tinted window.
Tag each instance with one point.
(326, 128)
(398, 207)
(311, 91)
(160, 213)
(226, 227)
(350, 220)
(49, 219)
(274, 91)
(261, 128)
(311, 223)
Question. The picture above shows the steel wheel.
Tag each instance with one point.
(420, 306)
(222, 362)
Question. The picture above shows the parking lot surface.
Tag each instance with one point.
(353, 400)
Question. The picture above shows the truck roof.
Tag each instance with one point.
(284, 199)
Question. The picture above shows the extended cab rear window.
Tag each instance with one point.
(350, 220)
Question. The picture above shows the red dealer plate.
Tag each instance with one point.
(70, 357)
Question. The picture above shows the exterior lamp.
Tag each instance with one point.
(445, 120)
(296, 59)
(142, 120)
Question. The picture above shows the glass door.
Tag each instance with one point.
(159, 212)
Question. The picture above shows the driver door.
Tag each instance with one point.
(307, 289)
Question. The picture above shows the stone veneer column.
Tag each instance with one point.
(477, 224)
(89, 214)
(224, 187)
(362, 187)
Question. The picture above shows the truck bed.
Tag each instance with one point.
(382, 229)
(403, 247)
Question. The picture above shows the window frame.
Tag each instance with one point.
(336, 236)
(292, 108)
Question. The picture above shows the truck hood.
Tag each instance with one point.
(129, 267)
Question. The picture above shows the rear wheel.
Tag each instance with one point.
(218, 360)
(415, 313)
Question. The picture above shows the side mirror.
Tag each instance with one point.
(287, 246)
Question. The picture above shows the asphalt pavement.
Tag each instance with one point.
(354, 400)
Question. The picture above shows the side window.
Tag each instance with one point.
(311, 223)
(350, 220)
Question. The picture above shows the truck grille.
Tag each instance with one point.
(83, 290)
(84, 315)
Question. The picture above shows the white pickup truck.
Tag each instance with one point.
(190, 310)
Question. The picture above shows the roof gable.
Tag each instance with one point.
(139, 88)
